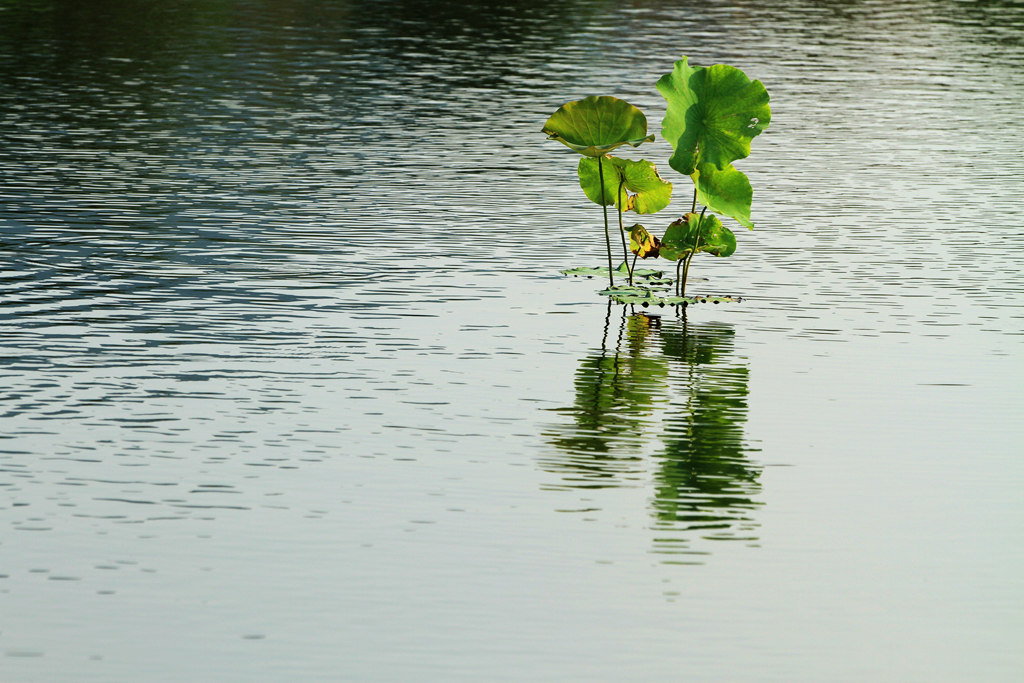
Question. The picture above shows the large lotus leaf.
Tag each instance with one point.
(595, 125)
(725, 191)
(590, 179)
(643, 243)
(650, 193)
(694, 233)
(713, 113)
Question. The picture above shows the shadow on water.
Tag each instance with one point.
(662, 402)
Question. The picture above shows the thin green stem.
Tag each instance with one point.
(686, 272)
(693, 208)
(693, 252)
(607, 235)
(622, 233)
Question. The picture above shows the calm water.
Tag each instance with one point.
(292, 388)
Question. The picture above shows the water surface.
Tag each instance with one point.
(293, 388)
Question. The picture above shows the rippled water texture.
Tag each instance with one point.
(292, 388)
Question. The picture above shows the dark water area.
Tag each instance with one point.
(292, 388)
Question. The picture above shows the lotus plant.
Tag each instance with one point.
(711, 116)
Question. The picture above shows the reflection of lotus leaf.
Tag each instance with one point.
(595, 125)
(680, 385)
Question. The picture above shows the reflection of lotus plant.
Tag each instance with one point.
(676, 385)
(712, 115)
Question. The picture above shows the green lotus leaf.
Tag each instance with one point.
(715, 238)
(625, 291)
(647, 298)
(713, 113)
(643, 274)
(650, 193)
(642, 189)
(595, 125)
(590, 179)
(693, 233)
(679, 240)
(643, 243)
(725, 191)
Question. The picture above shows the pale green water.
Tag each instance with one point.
(293, 390)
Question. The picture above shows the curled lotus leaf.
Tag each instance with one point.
(635, 185)
(691, 233)
(725, 191)
(643, 243)
(649, 192)
(712, 114)
(596, 125)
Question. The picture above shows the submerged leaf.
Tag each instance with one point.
(595, 125)
(643, 243)
(712, 115)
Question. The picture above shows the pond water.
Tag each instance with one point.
(293, 388)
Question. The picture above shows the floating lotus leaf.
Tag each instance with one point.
(693, 233)
(647, 298)
(639, 273)
(643, 243)
(626, 291)
(725, 191)
(595, 125)
(713, 113)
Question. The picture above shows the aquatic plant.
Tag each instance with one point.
(593, 127)
(712, 114)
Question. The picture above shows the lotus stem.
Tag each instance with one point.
(622, 233)
(693, 252)
(693, 208)
(607, 235)
(686, 272)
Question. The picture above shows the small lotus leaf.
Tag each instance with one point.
(715, 238)
(712, 115)
(590, 179)
(725, 191)
(642, 189)
(644, 274)
(679, 240)
(650, 192)
(595, 125)
(643, 243)
(693, 233)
